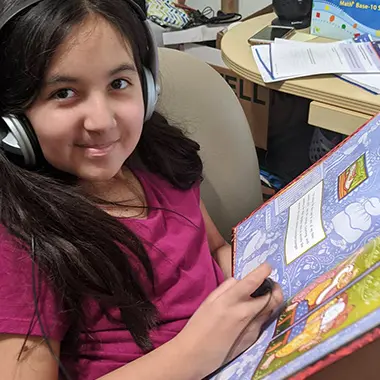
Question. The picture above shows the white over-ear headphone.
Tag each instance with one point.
(16, 134)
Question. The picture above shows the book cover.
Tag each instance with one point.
(321, 236)
(343, 19)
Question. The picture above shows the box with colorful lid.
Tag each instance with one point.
(341, 19)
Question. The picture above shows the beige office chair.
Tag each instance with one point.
(195, 97)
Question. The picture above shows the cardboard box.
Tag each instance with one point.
(255, 102)
(253, 98)
(344, 19)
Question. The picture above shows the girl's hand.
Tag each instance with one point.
(229, 320)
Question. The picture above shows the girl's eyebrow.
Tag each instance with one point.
(58, 79)
(123, 67)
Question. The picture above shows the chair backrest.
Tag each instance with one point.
(195, 97)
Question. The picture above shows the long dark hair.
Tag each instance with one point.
(79, 248)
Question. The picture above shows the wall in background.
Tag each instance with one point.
(246, 7)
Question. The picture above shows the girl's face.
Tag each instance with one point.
(89, 115)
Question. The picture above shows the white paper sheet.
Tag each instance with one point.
(317, 58)
(370, 82)
(262, 56)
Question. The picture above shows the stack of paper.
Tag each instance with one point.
(357, 62)
(370, 82)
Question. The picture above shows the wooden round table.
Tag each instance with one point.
(237, 54)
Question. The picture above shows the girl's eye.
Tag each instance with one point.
(64, 94)
(119, 84)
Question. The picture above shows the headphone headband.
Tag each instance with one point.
(153, 58)
(15, 11)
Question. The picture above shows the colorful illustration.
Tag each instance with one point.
(352, 177)
(313, 237)
(311, 297)
(311, 332)
(334, 296)
(344, 19)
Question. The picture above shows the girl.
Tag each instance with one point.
(105, 264)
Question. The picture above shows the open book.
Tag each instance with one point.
(321, 234)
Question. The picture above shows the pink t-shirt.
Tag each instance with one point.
(185, 273)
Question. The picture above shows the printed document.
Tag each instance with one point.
(280, 61)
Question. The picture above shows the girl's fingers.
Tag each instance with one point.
(221, 289)
(245, 287)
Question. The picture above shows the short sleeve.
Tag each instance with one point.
(17, 304)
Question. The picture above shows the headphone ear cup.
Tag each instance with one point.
(151, 93)
(20, 140)
(32, 138)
